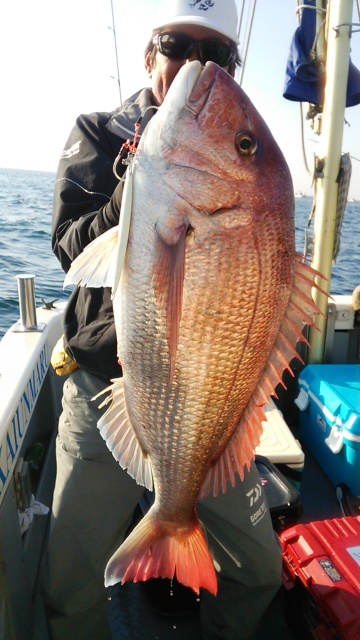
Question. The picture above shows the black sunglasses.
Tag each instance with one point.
(179, 46)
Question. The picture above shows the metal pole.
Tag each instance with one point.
(329, 159)
(27, 306)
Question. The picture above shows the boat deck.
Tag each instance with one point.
(153, 610)
(171, 611)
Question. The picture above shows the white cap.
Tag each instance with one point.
(219, 15)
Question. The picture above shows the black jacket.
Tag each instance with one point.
(87, 202)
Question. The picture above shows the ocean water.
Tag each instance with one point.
(25, 242)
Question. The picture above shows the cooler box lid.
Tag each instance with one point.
(335, 390)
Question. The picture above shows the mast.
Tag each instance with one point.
(327, 163)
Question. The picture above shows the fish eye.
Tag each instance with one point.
(245, 143)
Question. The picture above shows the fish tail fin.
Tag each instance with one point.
(155, 549)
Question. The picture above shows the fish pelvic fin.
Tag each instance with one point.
(168, 279)
(240, 450)
(119, 435)
(95, 266)
(156, 549)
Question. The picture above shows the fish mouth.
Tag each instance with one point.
(202, 84)
(191, 87)
(190, 92)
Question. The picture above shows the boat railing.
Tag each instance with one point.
(30, 405)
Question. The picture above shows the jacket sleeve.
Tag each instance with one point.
(87, 195)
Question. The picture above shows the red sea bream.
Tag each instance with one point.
(211, 301)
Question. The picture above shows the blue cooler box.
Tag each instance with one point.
(329, 401)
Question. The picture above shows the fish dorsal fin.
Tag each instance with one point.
(240, 450)
(119, 435)
(168, 279)
(94, 267)
(238, 454)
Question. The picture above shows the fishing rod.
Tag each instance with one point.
(116, 52)
(245, 29)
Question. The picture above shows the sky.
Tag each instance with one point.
(57, 60)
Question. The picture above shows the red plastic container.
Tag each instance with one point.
(321, 562)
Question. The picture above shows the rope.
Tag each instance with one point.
(343, 190)
(344, 182)
(303, 139)
(313, 110)
(357, 9)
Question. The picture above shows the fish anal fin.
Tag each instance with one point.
(119, 435)
(168, 280)
(95, 266)
(155, 549)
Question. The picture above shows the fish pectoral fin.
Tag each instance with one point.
(155, 550)
(120, 437)
(168, 279)
(238, 453)
(95, 266)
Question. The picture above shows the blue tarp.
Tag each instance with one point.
(305, 78)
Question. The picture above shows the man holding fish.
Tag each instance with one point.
(186, 415)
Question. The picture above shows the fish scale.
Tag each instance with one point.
(211, 302)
